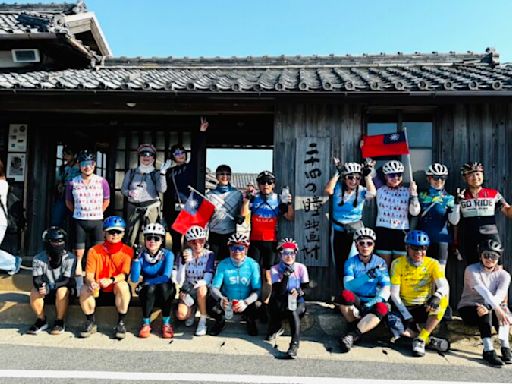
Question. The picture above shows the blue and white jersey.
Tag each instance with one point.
(343, 210)
(237, 282)
(435, 206)
(153, 273)
(356, 280)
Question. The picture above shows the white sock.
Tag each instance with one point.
(504, 330)
(488, 344)
(202, 319)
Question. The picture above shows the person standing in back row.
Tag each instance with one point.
(178, 178)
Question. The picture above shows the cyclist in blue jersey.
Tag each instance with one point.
(154, 264)
(437, 209)
(235, 286)
(367, 289)
(347, 202)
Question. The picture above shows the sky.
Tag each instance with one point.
(209, 28)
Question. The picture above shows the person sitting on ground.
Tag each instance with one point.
(413, 278)
(53, 273)
(289, 279)
(483, 301)
(155, 264)
(228, 202)
(108, 266)
(195, 273)
(142, 186)
(235, 287)
(367, 289)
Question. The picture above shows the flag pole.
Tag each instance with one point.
(408, 156)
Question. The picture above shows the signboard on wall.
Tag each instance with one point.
(17, 141)
(311, 206)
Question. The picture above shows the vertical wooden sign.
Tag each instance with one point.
(311, 206)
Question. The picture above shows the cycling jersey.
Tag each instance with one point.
(153, 273)
(435, 206)
(343, 210)
(299, 276)
(366, 288)
(265, 211)
(104, 265)
(393, 207)
(227, 200)
(480, 210)
(88, 198)
(416, 283)
(237, 282)
(52, 276)
(197, 268)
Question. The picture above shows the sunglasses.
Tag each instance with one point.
(57, 241)
(178, 153)
(237, 248)
(353, 177)
(437, 178)
(153, 238)
(223, 174)
(114, 232)
(394, 175)
(266, 182)
(418, 247)
(146, 154)
(365, 243)
(288, 252)
(88, 163)
(490, 256)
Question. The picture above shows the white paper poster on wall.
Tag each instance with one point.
(16, 166)
(17, 138)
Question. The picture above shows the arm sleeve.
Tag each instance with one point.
(385, 289)
(216, 293)
(62, 282)
(69, 191)
(166, 274)
(353, 284)
(414, 206)
(501, 292)
(161, 182)
(180, 276)
(443, 288)
(125, 187)
(454, 214)
(135, 272)
(106, 189)
(68, 267)
(395, 297)
(217, 279)
(37, 281)
(252, 298)
(197, 145)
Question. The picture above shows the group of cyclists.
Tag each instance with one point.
(385, 273)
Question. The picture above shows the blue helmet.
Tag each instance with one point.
(418, 238)
(114, 222)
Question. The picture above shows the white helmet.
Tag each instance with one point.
(154, 229)
(365, 232)
(239, 238)
(350, 168)
(437, 169)
(195, 232)
(393, 166)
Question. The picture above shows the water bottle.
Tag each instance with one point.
(284, 195)
(292, 302)
(189, 300)
(228, 313)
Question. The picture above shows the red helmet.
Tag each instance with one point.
(287, 243)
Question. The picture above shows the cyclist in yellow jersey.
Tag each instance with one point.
(414, 299)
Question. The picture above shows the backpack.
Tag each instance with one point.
(132, 175)
(14, 212)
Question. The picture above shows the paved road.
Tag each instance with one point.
(184, 366)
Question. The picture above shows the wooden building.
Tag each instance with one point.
(457, 108)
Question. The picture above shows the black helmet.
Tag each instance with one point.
(471, 167)
(490, 245)
(266, 176)
(54, 233)
(86, 155)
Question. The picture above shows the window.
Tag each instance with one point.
(419, 135)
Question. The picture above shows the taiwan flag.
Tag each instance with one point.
(197, 211)
(391, 144)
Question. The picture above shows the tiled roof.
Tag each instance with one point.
(347, 74)
(238, 180)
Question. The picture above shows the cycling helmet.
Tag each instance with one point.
(490, 245)
(471, 167)
(195, 232)
(54, 233)
(146, 150)
(86, 155)
(114, 222)
(393, 166)
(238, 238)
(365, 232)
(264, 176)
(154, 229)
(287, 243)
(418, 238)
(350, 168)
(437, 169)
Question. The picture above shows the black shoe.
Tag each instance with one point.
(492, 359)
(252, 330)
(506, 356)
(120, 330)
(347, 342)
(37, 327)
(292, 350)
(274, 335)
(58, 329)
(217, 327)
(89, 329)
